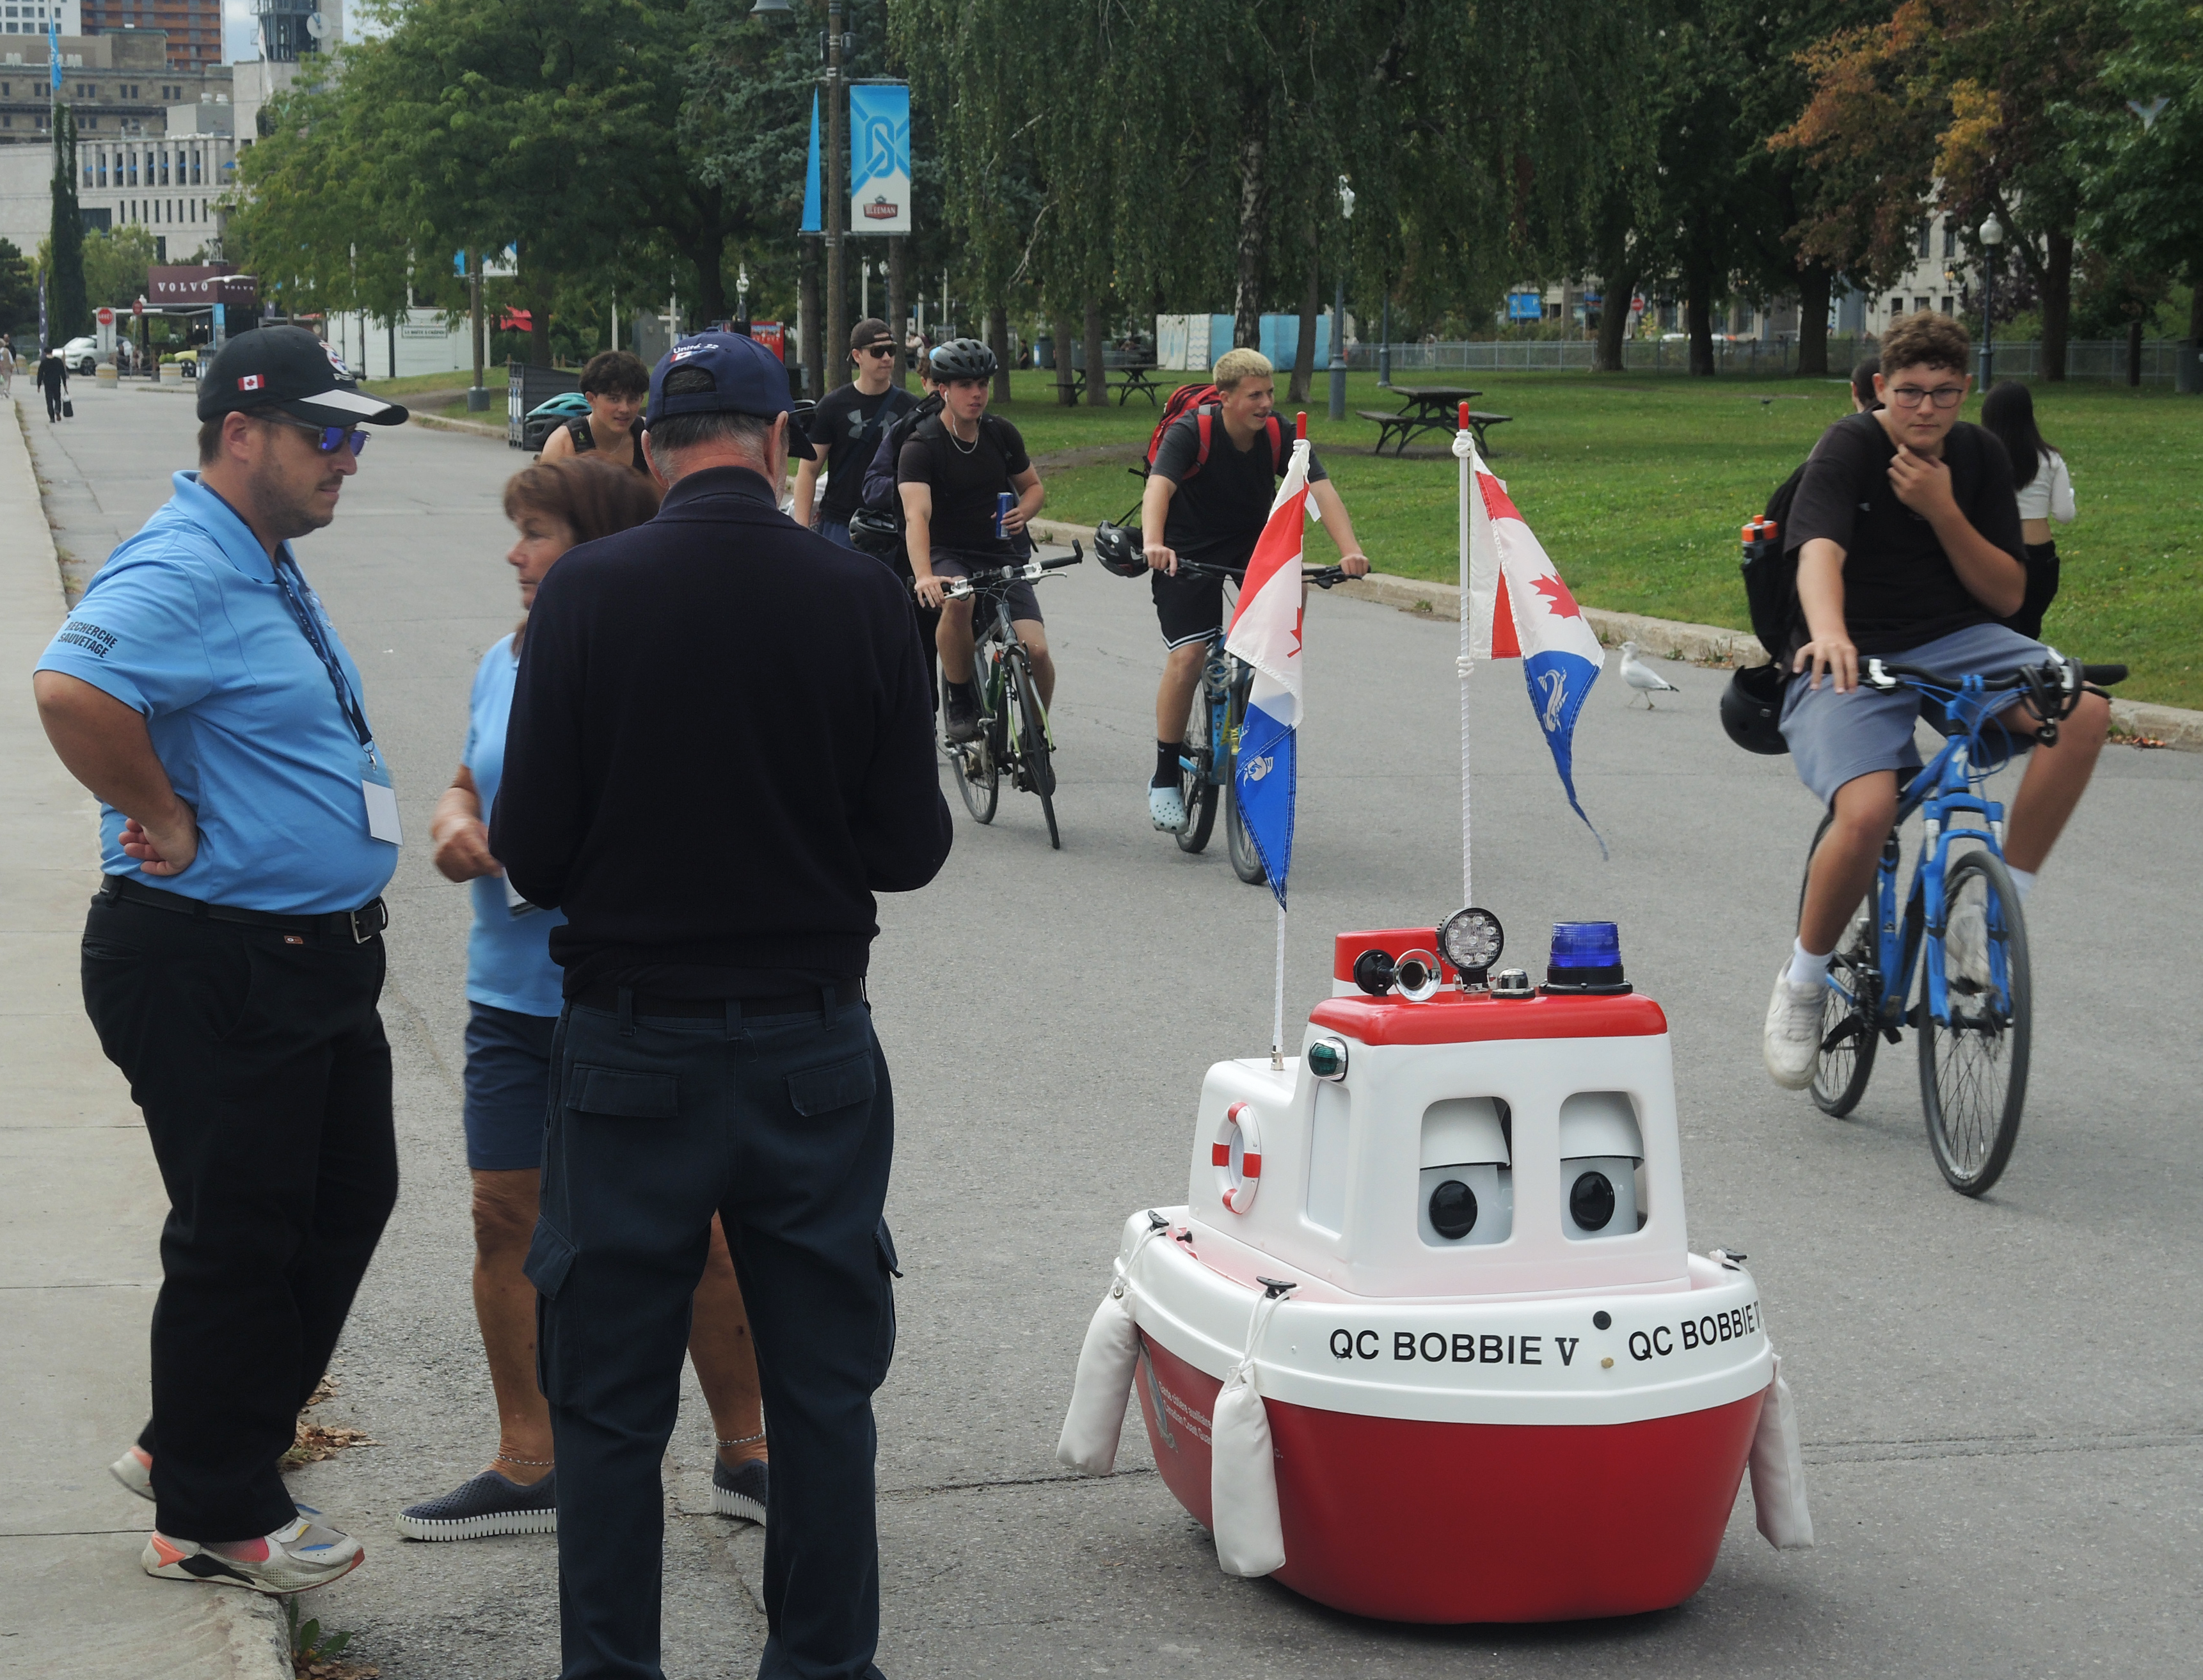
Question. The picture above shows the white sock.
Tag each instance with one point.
(1806, 969)
(2022, 878)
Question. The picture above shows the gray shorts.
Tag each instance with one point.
(1835, 738)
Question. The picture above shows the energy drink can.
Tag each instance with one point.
(1003, 503)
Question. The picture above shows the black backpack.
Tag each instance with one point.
(878, 527)
(1770, 572)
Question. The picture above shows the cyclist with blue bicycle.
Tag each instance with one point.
(1208, 497)
(1906, 532)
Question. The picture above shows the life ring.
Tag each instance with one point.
(1237, 1133)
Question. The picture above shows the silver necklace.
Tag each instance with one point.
(963, 448)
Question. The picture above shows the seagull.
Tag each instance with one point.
(1642, 677)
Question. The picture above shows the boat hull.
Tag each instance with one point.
(1415, 1521)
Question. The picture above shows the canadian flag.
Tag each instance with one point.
(251, 382)
(1520, 609)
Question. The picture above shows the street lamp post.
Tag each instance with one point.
(1992, 242)
(1338, 311)
(742, 293)
(836, 195)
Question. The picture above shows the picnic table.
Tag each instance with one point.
(1430, 408)
(1140, 378)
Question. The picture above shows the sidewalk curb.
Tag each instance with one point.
(1671, 638)
(436, 422)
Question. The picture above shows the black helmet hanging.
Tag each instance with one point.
(1120, 549)
(1751, 708)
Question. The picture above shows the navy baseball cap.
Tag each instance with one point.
(288, 368)
(718, 372)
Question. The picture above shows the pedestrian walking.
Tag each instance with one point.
(53, 380)
(513, 1004)
(7, 366)
(844, 432)
(2045, 488)
(232, 958)
(714, 831)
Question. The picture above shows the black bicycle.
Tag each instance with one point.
(1013, 734)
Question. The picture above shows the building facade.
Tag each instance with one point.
(31, 17)
(192, 28)
(115, 85)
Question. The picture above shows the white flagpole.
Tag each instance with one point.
(1463, 448)
(1277, 1015)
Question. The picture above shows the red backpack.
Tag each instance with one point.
(1203, 403)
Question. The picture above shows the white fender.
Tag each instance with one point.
(1778, 1470)
(1243, 1473)
(1095, 1422)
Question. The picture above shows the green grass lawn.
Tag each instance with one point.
(492, 380)
(1637, 484)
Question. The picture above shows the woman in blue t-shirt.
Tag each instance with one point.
(514, 998)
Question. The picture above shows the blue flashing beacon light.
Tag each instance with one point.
(1585, 958)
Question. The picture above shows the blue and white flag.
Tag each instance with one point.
(812, 207)
(879, 158)
(1266, 634)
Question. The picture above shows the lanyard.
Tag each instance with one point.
(295, 591)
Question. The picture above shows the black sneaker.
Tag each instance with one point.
(740, 1492)
(490, 1504)
(959, 717)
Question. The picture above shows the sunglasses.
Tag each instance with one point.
(882, 349)
(328, 439)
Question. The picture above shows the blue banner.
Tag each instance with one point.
(812, 210)
(879, 158)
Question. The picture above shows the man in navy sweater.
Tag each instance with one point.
(714, 813)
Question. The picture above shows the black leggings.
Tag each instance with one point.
(53, 402)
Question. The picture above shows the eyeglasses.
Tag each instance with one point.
(879, 350)
(1912, 395)
(327, 439)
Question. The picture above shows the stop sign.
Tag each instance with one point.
(107, 317)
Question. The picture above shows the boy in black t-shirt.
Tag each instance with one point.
(949, 476)
(1907, 533)
(845, 429)
(1212, 512)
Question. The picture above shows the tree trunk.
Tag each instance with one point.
(1814, 282)
(1097, 382)
(2134, 352)
(899, 308)
(1065, 395)
(708, 253)
(1698, 315)
(814, 386)
(1304, 347)
(2195, 302)
(2057, 301)
(1254, 242)
(1618, 282)
(998, 340)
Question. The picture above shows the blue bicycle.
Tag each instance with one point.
(1962, 921)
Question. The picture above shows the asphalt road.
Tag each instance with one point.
(1998, 1397)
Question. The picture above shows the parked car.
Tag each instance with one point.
(80, 356)
(546, 417)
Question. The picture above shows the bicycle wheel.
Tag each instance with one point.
(979, 774)
(1029, 745)
(1848, 1035)
(1972, 1069)
(1246, 861)
(1196, 775)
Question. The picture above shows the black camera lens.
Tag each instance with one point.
(1590, 1202)
(1453, 1209)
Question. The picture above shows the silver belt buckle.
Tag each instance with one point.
(353, 919)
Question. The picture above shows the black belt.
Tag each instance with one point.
(606, 996)
(359, 925)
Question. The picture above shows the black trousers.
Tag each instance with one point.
(53, 401)
(262, 1068)
(785, 1127)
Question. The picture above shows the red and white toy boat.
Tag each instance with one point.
(1426, 1341)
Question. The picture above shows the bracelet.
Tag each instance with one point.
(744, 1440)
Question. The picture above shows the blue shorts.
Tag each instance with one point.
(508, 1088)
(1837, 738)
(836, 531)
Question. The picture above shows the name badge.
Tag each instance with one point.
(381, 798)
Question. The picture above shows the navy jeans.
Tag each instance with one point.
(785, 1127)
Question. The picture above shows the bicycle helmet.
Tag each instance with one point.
(875, 533)
(1119, 549)
(963, 358)
(1751, 708)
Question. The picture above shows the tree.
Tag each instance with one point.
(65, 310)
(116, 261)
(19, 294)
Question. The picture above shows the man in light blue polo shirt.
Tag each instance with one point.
(233, 959)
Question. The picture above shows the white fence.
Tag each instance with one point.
(2093, 358)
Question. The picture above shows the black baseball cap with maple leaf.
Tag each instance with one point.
(289, 370)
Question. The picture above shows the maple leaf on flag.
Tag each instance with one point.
(1556, 592)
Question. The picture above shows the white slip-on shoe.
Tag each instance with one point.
(1167, 807)
(300, 1555)
(1966, 946)
(134, 1471)
(1792, 1040)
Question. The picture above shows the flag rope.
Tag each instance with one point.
(1462, 662)
(1278, 1010)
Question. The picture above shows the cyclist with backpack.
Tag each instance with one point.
(1213, 468)
(1907, 540)
(845, 429)
(950, 477)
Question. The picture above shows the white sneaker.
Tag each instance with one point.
(1167, 806)
(134, 1471)
(1792, 1040)
(1966, 946)
(300, 1555)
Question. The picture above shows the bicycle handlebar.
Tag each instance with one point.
(1323, 577)
(1884, 674)
(957, 588)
